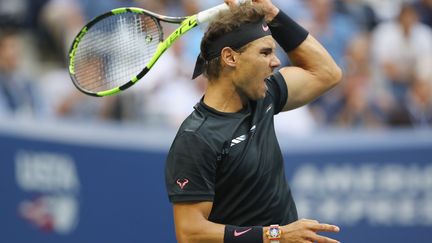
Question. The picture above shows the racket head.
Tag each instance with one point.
(112, 51)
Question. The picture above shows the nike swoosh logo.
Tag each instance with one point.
(236, 234)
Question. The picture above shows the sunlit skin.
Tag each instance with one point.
(240, 79)
(9, 53)
(243, 75)
(254, 65)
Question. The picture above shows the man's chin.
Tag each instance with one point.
(261, 95)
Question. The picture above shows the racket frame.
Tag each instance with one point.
(186, 23)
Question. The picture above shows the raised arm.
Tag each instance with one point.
(314, 71)
(192, 226)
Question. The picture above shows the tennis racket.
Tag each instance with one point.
(116, 49)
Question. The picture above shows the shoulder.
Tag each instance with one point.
(196, 130)
(193, 122)
(191, 128)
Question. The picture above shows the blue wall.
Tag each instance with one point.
(62, 191)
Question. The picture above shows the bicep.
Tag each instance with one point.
(314, 72)
(192, 225)
(191, 211)
(303, 87)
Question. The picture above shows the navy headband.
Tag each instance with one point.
(235, 39)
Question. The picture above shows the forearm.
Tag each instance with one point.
(192, 225)
(200, 231)
(303, 49)
(204, 231)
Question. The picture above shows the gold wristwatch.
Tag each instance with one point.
(274, 233)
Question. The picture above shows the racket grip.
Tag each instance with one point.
(209, 14)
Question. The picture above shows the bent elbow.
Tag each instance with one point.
(182, 237)
(188, 234)
(333, 76)
(183, 234)
(337, 75)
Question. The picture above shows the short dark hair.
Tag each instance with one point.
(6, 32)
(226, 22)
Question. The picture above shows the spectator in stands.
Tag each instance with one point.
(419, 103)
(94, 8)
(15, 11)
(334, 31)
(385, 9)
(424, 10)
(17, 93)
(295, 8)
(402, 49)
(174, 90)
(395, 90)
(61, 20)
(190, 48)
(362, 13)
(63, 101)
(359, 103)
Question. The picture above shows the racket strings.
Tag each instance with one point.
(115, 50)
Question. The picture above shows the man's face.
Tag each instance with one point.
(254, 65)
(9, 53)
(408, 17)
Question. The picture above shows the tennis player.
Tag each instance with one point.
(224, 171)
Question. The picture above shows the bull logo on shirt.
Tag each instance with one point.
(182, 183)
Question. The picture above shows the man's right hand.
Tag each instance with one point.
(305, 230)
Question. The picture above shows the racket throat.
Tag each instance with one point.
(185, 26)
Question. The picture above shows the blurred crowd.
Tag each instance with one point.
(383, 46)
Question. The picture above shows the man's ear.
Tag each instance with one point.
(229, 57)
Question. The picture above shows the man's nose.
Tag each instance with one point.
(275, 62)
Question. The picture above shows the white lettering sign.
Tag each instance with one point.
(378, 194)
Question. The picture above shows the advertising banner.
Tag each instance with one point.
(67, 192)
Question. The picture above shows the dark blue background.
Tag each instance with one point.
(123, 198)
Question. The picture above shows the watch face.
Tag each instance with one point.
(274, 232)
